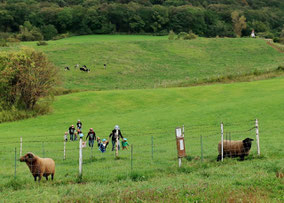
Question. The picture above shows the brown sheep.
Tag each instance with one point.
(39, 166)
(239, 148)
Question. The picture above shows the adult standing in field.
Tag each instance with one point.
(92, 137)
(71, 132)
(79, 125)
(115, 134)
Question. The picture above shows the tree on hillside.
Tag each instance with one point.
(27, 76)
(239, 23)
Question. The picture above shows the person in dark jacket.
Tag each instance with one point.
(79, 125)
(115, 134)
(92, 137)
(102, 145)
(71, 132)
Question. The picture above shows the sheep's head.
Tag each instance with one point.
(247, 143)
(29, 157)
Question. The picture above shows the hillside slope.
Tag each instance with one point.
(136, 62)
(142, 114)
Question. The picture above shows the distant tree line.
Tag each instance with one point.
(39, 19)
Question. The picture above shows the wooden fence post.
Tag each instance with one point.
(257, 136)
(222, 140)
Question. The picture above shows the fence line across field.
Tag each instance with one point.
(152, 147)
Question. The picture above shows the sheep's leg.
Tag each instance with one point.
(219, 158)
(39, 177)
(242, 157)
(46, 176)
(35, 177)
(52, 176)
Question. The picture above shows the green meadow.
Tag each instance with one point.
(143, 114)
(137, 62)
(135, 93)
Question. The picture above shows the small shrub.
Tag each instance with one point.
(3, 43)
(181, 35)
(280, 68)
(13, 40)
(41, 43)
(256, 72)
(190, 36)
(171, 35)
(276, 39)
(267, 35)
(62, 36)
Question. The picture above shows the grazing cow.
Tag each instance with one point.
(66, 68)
(85, 69)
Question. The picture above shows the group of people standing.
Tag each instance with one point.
(115, 136)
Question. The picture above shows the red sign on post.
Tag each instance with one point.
(180, 143)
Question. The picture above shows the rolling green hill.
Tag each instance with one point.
(137, 62)
(142, 114)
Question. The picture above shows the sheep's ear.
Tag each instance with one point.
(30, 155)
(251, 139)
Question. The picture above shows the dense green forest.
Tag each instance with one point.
(45, 19)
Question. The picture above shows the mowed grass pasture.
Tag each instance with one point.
(137, 62)
(142, 114)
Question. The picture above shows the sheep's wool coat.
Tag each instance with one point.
(233, 148)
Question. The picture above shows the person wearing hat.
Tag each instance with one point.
(115, 134)
(124, 143)
(71, 132)
(102, 145)
(79, 125)
(92, 137)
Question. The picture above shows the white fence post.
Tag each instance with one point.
(64, 156)
(257, 136)
(222, 141)
(80, 158)
(179, 162)
(21, 146)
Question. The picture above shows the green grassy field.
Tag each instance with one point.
(137, 62)
(142, 114)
